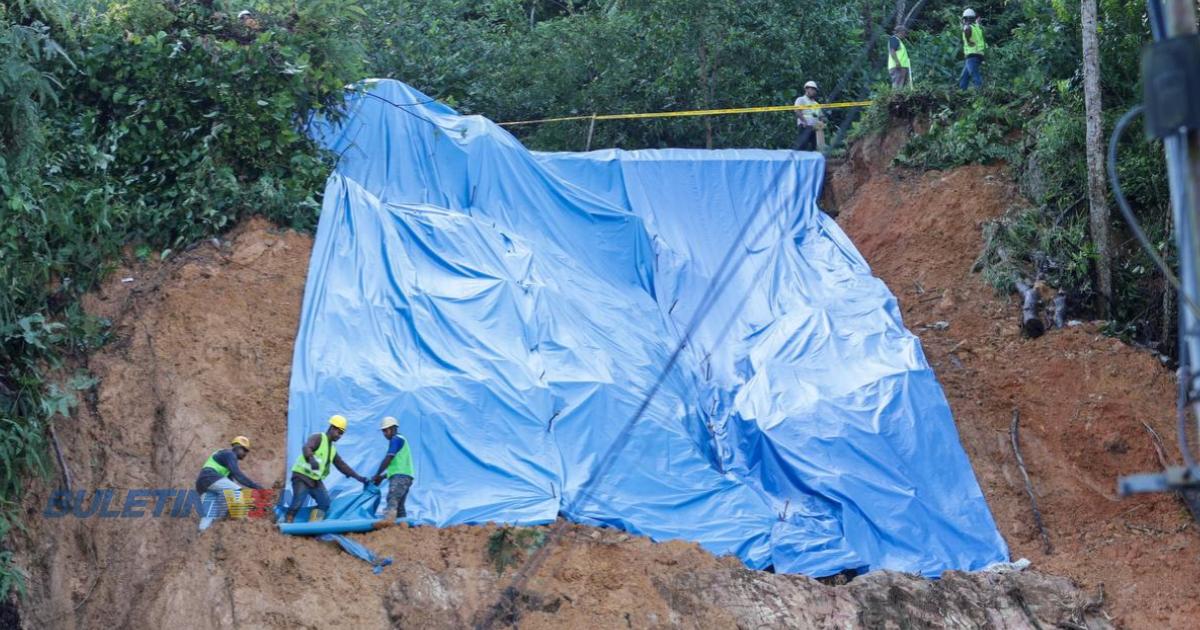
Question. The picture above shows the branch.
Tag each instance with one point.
(1037, 514)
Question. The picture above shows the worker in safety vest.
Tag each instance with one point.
(899, 67)
(312, 467)
(810, 121)
(973, 47)
(215, 484)
(396, 467)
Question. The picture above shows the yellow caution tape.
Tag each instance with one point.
(694, 112)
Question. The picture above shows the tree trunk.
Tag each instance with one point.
(1031, 319)
(1095, 156)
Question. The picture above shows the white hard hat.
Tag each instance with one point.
(389, 422)
(243, 13)
(969, 13)
(811, 84)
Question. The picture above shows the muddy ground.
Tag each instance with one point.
(202, 350)
(1082, 397)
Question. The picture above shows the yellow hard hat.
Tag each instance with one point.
(389, 422)
(241, 441)
(338, 421)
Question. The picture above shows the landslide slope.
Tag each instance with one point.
(1082, 397)
(202, 350)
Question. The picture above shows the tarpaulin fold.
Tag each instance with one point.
(512, 309)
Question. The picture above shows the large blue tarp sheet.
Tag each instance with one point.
(513, 309)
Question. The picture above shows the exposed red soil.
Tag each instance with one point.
(1082, 397)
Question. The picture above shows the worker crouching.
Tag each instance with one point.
(312, 467)
(219, 494)
(396, 467)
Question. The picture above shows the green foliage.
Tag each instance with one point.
(203, 120)
(961, 129)
(509, 546)
(978, 132)
(1059, 251)
(518, 61)
(147, 122)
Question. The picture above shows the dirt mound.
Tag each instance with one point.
(1082, 397)
(202, 350)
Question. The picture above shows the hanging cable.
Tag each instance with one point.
(1127, 212)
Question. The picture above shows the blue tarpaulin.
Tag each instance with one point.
(512, 309)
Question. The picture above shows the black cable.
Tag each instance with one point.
(1182, 397)
(1134, 226)
(404, 108)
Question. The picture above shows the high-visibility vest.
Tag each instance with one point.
(901, 56)
(401, 463)
(212, 463)
(324, 454)
(977, 45)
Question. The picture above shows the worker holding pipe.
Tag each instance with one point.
(396, 467)
(312, 467)
(219, 494)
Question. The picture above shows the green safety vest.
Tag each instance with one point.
(978, 45)
(212, 463)
(324, 454)
(901, 55)
(401, 463)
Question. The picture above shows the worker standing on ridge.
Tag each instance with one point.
(396, 467)
(808, 120)
(214, 484)
(899, 67)
(312, 467)
(973, 47)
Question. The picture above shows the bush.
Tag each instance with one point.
(510, 546)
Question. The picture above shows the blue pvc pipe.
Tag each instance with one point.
(331, 527)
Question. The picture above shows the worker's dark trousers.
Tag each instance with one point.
(806, 140)
(971, 72)
(301, 491)
(398, 486)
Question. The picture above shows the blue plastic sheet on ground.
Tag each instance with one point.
(512, 309)
(348, 507)
(358, 551)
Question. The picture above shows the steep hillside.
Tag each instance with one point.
(1082, 397)
(202, 351)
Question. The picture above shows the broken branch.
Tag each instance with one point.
(1037, 514)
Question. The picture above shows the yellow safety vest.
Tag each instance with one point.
(901, 56)
(213, 464)
(977, 45)
(324, 454)
(401, 463)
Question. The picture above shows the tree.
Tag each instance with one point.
(1099, 219)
